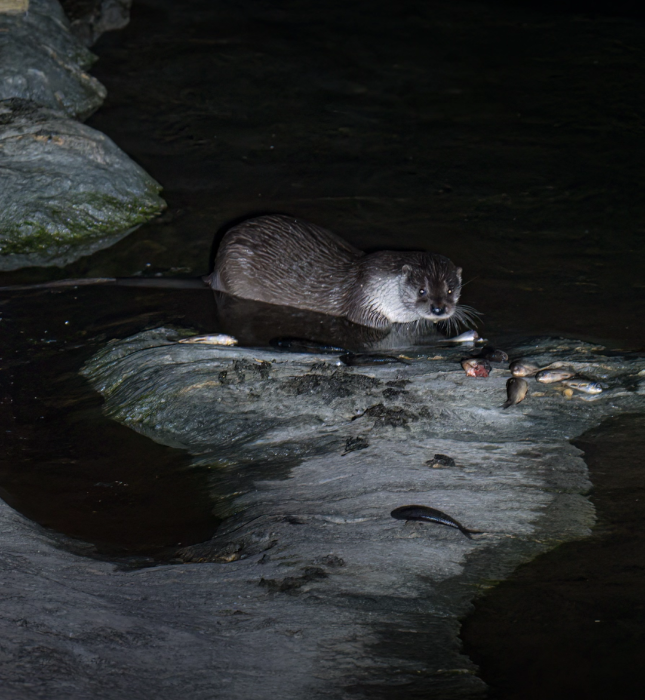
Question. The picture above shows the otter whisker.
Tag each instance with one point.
(463, 316)
(472, 279)
(471, 311)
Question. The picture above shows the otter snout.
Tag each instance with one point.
(438, 310)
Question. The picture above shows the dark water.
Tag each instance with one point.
(506, 136)
(572, 623)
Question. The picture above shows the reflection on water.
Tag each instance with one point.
(256, 324)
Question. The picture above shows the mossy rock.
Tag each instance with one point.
(66, 190)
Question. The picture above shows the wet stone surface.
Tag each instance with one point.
(42, 61)
(66, 190)
(310, 588)
(91, 18)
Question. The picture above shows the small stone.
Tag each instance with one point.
(439, 461)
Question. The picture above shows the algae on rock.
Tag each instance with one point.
(66, 190)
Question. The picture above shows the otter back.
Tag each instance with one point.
(281, 260)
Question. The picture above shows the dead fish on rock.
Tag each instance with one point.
(475, 367)
(467, 337)
(304, 345)
(516, 389)
(584, 385)
(493, 354)
(550, 376)
(218, 339)
(369, 360)
(431, 515)
(523, 369)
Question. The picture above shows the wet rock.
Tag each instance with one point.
(391, 393)
(66, 190)
(42, 61)
(308, 609)
(338, 385)
(355, 443)
(395, 417)
(91, 18)
(341, 498)
(203, 553)
(440, 461)
(292, 583)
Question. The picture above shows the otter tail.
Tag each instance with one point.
(145, 282)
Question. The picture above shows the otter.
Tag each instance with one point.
(282, 260)
(286, 261)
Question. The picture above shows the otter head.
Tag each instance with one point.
(431, 289)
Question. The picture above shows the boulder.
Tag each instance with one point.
(310, 588)
(91, 18)
(66, 190)
(41, 60)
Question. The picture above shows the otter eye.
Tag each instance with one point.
(450, 291)
(422, 292)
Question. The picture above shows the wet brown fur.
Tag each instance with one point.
(286, 261)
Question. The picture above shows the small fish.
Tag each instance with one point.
(219, 339)
(304, 345)
(475, 367)
(584, 385)
(523, 369)
(369, 360)
(516, 389)
(431, 515)
(467, 337)
(550, 376)
(493, 354)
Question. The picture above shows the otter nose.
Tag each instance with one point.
(438, 310)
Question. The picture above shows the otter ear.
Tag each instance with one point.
(459, 270)
(406, 269)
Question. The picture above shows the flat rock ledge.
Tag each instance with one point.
(66, 190)
(309, 588)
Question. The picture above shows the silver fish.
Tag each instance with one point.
(219, 339)
(550, 376)
(523, 369)
(584, 385)
(467, 337)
